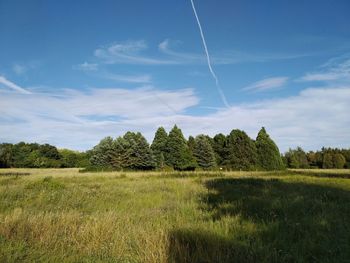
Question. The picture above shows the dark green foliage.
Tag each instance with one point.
(220, 147)
(338, 161)
(346, 154)
(102, 153)
(242, 151)
(6, 155)
(31, 155)
(135, 151)
(131, 151)
(269, 157)
(313, 159)
(327, 161)
(204, 153)
(71, 158)
(326, 158)
(191, 143)
(178, 154)
(296, 158)
(159, 147)
(49, 151)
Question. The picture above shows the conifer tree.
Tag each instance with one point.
(101, 154)
(241, 150)
(204, 153)
(191, 143)
(159, 147)
(178, 154)
(220, 148)
(269, 156)
(132, 151)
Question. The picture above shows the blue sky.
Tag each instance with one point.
(72, 72)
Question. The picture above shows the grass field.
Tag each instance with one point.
(61, 215)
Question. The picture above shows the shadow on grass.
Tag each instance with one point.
(292, 222)
(322, 174)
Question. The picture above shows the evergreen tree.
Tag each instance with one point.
(132, 151)
(204, 153)
(142, 154)
(191, 143)
(269, 157)
(242, 151)
(178, 154)
(221, 149)
(102, 153)
(159, 147)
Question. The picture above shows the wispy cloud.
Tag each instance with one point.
(135, 52)
(128, 53)
(182, 57)
(86, 66)
(267, 84)
(144, 78)
(79, 119)
(13, 86)
(93, 68)
(336, 69)
(85, 116)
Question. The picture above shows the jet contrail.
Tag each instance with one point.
(222, 95)
(13, 86)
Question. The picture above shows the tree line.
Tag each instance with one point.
(172, 151)
(34, 155)
(236, 151)
(326, 158)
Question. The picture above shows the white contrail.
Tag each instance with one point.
(13, 86)
(222, 95)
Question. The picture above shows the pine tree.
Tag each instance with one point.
(204, 153)
(269, 156)
(191, 143)
(101, 154)
(220, 148)
(132, 151)
(178, 154)
(242, 151)
(159, 147)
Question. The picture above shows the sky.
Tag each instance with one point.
(74, 72)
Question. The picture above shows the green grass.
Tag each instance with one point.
(61, 215)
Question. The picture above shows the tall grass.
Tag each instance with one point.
(61, 215)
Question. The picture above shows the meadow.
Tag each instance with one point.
(61, 215)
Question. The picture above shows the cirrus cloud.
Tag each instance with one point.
(78, 119)
(267, 84)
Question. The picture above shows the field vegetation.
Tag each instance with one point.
(61, 215)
